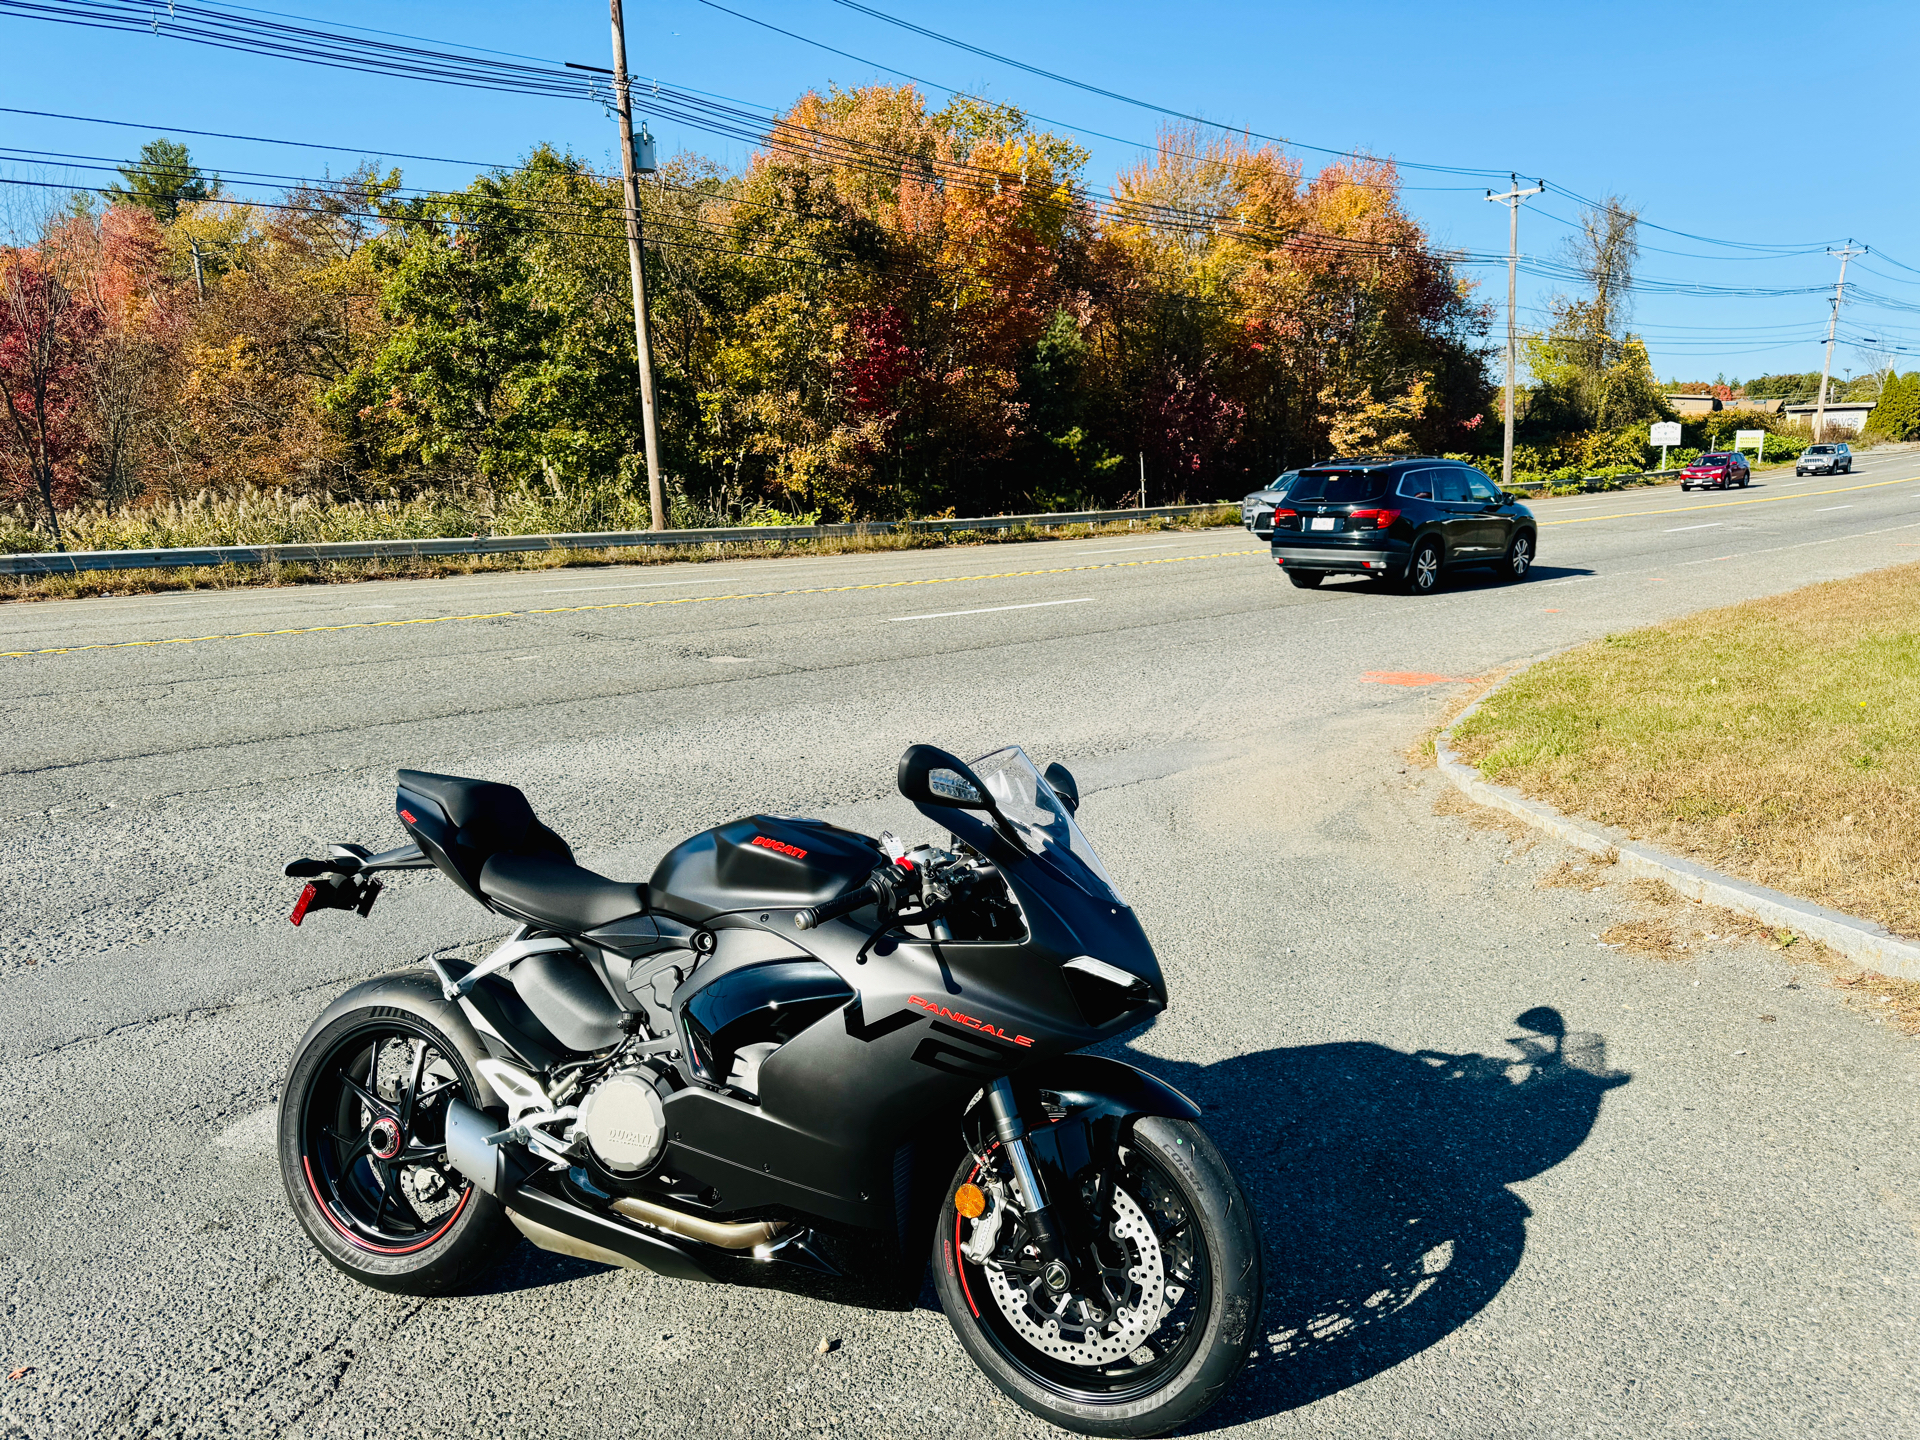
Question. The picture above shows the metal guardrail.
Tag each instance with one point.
(1597, 482)
(73, 562)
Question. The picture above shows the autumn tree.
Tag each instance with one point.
(47, 328)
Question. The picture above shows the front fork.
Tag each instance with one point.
(1041, 1224)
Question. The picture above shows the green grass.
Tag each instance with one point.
(1775, 740)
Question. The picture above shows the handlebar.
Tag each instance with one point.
(841, 904)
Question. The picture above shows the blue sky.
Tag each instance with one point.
(1755, 123)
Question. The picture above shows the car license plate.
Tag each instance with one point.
(1324, 522)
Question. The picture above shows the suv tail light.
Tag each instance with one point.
(1281, 513)
(1372, 519)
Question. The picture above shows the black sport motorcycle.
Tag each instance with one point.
(794, 1050)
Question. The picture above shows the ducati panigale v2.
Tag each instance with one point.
(793, 1056)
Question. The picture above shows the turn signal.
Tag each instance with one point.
(971, 1201)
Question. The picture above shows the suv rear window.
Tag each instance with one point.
(1339, 487)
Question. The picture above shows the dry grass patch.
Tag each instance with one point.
(1589, 873)
(1775, 740)
(1452, 802)
(1673, 928)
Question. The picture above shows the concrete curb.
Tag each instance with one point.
(1862, 942)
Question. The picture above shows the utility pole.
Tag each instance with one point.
(643, 342)
(1834, 315)
(1512, 200)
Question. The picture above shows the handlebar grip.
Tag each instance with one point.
(841, 904)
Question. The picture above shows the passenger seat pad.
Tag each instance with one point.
(556, 892)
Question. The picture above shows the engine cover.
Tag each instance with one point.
(624, 1123)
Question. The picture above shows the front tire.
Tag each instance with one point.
(1178, 1183)
(362, 1144)
(1519, 559)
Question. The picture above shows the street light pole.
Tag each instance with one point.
(1512, 200)
(643, 342)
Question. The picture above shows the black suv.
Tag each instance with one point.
(1403, 518)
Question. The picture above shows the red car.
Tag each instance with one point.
(1721, 469)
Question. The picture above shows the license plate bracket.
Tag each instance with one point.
(1324, 522)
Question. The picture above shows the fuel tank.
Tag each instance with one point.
(761, 861)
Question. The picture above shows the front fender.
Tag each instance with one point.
(1097, 1087)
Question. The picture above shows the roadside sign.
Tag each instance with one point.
(1665, 432)
(1756, 438)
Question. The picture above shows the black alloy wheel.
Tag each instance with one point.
(1424, 568)
(1164, 1302)
(363, 1153)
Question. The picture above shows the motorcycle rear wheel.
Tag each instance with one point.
(1178, 1179)
(362, 1144)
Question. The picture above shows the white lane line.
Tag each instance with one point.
(1833, 507)
(1117, 549)
(1797, 545)
(1708, 525)
(984, 610)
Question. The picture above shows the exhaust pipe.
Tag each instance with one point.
(564, 1228)
(730, 1236)
(470, 1152)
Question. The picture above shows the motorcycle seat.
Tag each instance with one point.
(554, 892)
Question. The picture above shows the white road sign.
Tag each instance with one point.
(1745, 438)
(1665, 432)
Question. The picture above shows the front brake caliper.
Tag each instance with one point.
(986, 1233)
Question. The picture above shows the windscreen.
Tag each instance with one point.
(1043, 823)
(1820, 450)
(1716, 459)
(1341, 487)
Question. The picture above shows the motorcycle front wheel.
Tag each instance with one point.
(1165, 1302)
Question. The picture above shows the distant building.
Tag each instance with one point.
(1685, 405)
(1844, 416)
(1771, 406)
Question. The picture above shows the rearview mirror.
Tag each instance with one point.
(1062, 780)
(930, 776)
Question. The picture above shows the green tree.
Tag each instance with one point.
(162, 180)
(1898, 415)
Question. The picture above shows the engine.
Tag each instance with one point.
(623, 1122)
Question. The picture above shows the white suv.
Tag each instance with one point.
(1825, 460)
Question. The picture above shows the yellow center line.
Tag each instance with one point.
(620, 605)
(1718, 504)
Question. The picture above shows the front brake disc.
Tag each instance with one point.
(1059, 1326)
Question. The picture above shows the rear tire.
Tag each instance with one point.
(1307, 579)
(1220, 1249)
(1519, 559)
(1423, 575)
(362, 1145)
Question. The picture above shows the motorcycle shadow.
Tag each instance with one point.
(1381, 1183)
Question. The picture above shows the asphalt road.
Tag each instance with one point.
(1682, 1219)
